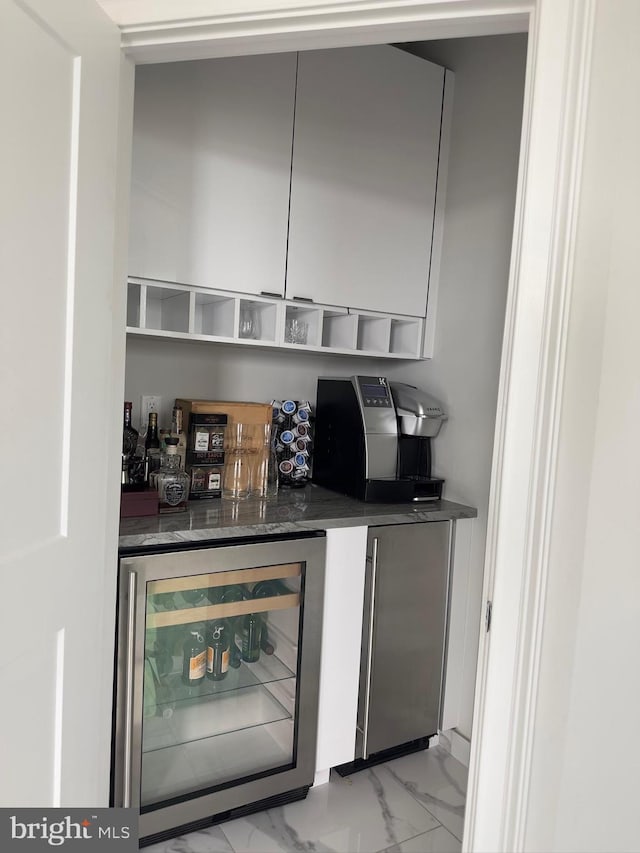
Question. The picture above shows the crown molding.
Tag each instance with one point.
(152, 33)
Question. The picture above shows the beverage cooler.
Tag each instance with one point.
(217, 680)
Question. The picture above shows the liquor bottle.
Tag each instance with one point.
(129, 434)
(217, 650)
(251, 631)
(177, 430)
(194, 661)
(152, 447)
(171, 481)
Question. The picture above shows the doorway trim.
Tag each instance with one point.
(535, 334)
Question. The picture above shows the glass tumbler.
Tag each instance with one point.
(236, 477)
(260, 468)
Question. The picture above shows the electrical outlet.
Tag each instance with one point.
(148, 403)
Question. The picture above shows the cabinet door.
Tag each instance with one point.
(211, 170)
(64, 102)
(400, 688)
(365, 162)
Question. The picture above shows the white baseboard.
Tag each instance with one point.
(456, 744)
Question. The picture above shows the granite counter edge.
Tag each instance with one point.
(208, 534)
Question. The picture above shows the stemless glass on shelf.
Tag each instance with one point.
(296, 330)
(249, 323)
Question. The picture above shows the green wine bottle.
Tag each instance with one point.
(251, 631)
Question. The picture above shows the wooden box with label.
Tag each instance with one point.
(205, 454)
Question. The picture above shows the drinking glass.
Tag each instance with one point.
(236, 477)
(249, 326)
(296, 330)
(260, 467)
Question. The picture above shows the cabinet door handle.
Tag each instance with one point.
(271, 293)
(128, 704)
(302, 299)
(372, 607)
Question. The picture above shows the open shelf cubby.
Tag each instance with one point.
(339, 329)
(374, 333)
(214, 314)
(303, 325)
(257, 320)
(405, 336)
(166, 309)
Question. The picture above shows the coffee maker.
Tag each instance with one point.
(373, 442)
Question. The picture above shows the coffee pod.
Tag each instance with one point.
(287, 437)
(289, 407)
(300, 461)
(301, 417)
(301, 446)
(302, 431)
(286, 467)
(277, 415)
(304, 404)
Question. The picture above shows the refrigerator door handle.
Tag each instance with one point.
(372, 606)
(129, 681)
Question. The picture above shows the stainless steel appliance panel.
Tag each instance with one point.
(403, 634)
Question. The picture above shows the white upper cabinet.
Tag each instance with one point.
(211, 171)
(365, 168)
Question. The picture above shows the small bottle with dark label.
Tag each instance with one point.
(194, 663)
(217, 651)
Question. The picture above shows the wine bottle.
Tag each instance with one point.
(251, 630)
(234, 592)
(129, 434)
(194, 662)
(152, 446)
(217, 650)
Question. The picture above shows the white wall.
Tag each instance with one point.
(463, 374)
(203, 371)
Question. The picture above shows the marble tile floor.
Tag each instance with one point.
(413, 804)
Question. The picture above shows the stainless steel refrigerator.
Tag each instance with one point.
(217, 681)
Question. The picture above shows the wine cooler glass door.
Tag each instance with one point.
(220, 682)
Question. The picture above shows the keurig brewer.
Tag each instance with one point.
(372, 439)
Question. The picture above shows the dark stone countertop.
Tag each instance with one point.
(309, 508)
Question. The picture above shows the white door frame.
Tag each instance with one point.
(560, 34)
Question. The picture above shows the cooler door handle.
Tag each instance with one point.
(372, 608)
(128, 704)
